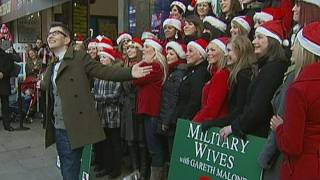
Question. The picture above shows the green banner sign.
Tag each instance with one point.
(199, 153)
(86, 162)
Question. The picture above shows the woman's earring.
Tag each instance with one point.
(176, 35)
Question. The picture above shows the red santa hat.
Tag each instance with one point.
(155, 43)
(245, 21)
(148, 35)
(79, 38)
(195, 2)
(314, 2)
(107, 52)
(105, 42)
(123, 36)
(137, 42)
(273, 29)
(309, 37)
(200, 45)
(268, 14)
(215, 22)
(172, 22)
(179, 4)
(92, 43)
(222, 43)
(180, 49)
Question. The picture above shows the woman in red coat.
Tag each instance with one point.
(215, 92)
(149, 99)
(298, 133)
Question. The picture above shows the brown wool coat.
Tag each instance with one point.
(73, 84)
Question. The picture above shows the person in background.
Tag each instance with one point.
(106, 95)
(172, 30)
(213, 28)
(92, 49)
(67, 81)
(215, 91)
(298, 131)
(240, 57)
(132, 125)
(122, 42)
(39, 44)
(177, 10)
(34, 64)
(229, 10)
(241, 25)
(193, 28)
(6, 67)
(201, 8)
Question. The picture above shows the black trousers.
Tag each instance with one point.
(5, 110)
(109, 154)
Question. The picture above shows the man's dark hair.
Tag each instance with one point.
(64, 27)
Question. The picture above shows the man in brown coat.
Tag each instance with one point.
(73, 121)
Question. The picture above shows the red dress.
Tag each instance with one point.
(299, 136)
(215, 97)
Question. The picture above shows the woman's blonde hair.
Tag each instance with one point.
(245, 53)
(163, 61)
(222, 63)
(302, 57)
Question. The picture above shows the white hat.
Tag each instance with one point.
(153, 43)
(179, 4)
(215, 22)
(172, 22)
(180, 49)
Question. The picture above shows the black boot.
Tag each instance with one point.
(143, 162)
(133, 153)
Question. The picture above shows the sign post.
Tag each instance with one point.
(86, 162)
(198, 153)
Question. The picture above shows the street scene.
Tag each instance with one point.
(159, 89)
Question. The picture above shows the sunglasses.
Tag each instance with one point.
(57, 32)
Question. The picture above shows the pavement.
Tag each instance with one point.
(23, 156)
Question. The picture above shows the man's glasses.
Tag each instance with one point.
(55, 33)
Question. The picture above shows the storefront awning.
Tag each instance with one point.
(14, 9)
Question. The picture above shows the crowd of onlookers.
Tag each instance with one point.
(251, 68)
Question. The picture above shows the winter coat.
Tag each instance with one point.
(215, 97)
(190, 93)
(170, 94)
(298, 138)
(6, 67)
(73, 83)
(258, 109)
(149, 90)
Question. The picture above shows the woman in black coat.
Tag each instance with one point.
(6, 67)
(270, 68)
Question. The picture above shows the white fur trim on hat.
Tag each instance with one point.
(153, 44)
(220, 44)
(242, 22)
(202, 1)
(177, 48)
(92, 44)
(122, 37)
(172, 22)
(268, 33)
(106, 54)
(307, 44)
(216, 23)
(179, 4)
(146, 35)
(104, 45)
(315, 2)
(199, 48)
(262, 16)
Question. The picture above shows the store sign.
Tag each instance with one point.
(199, 153)
(14, 9)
